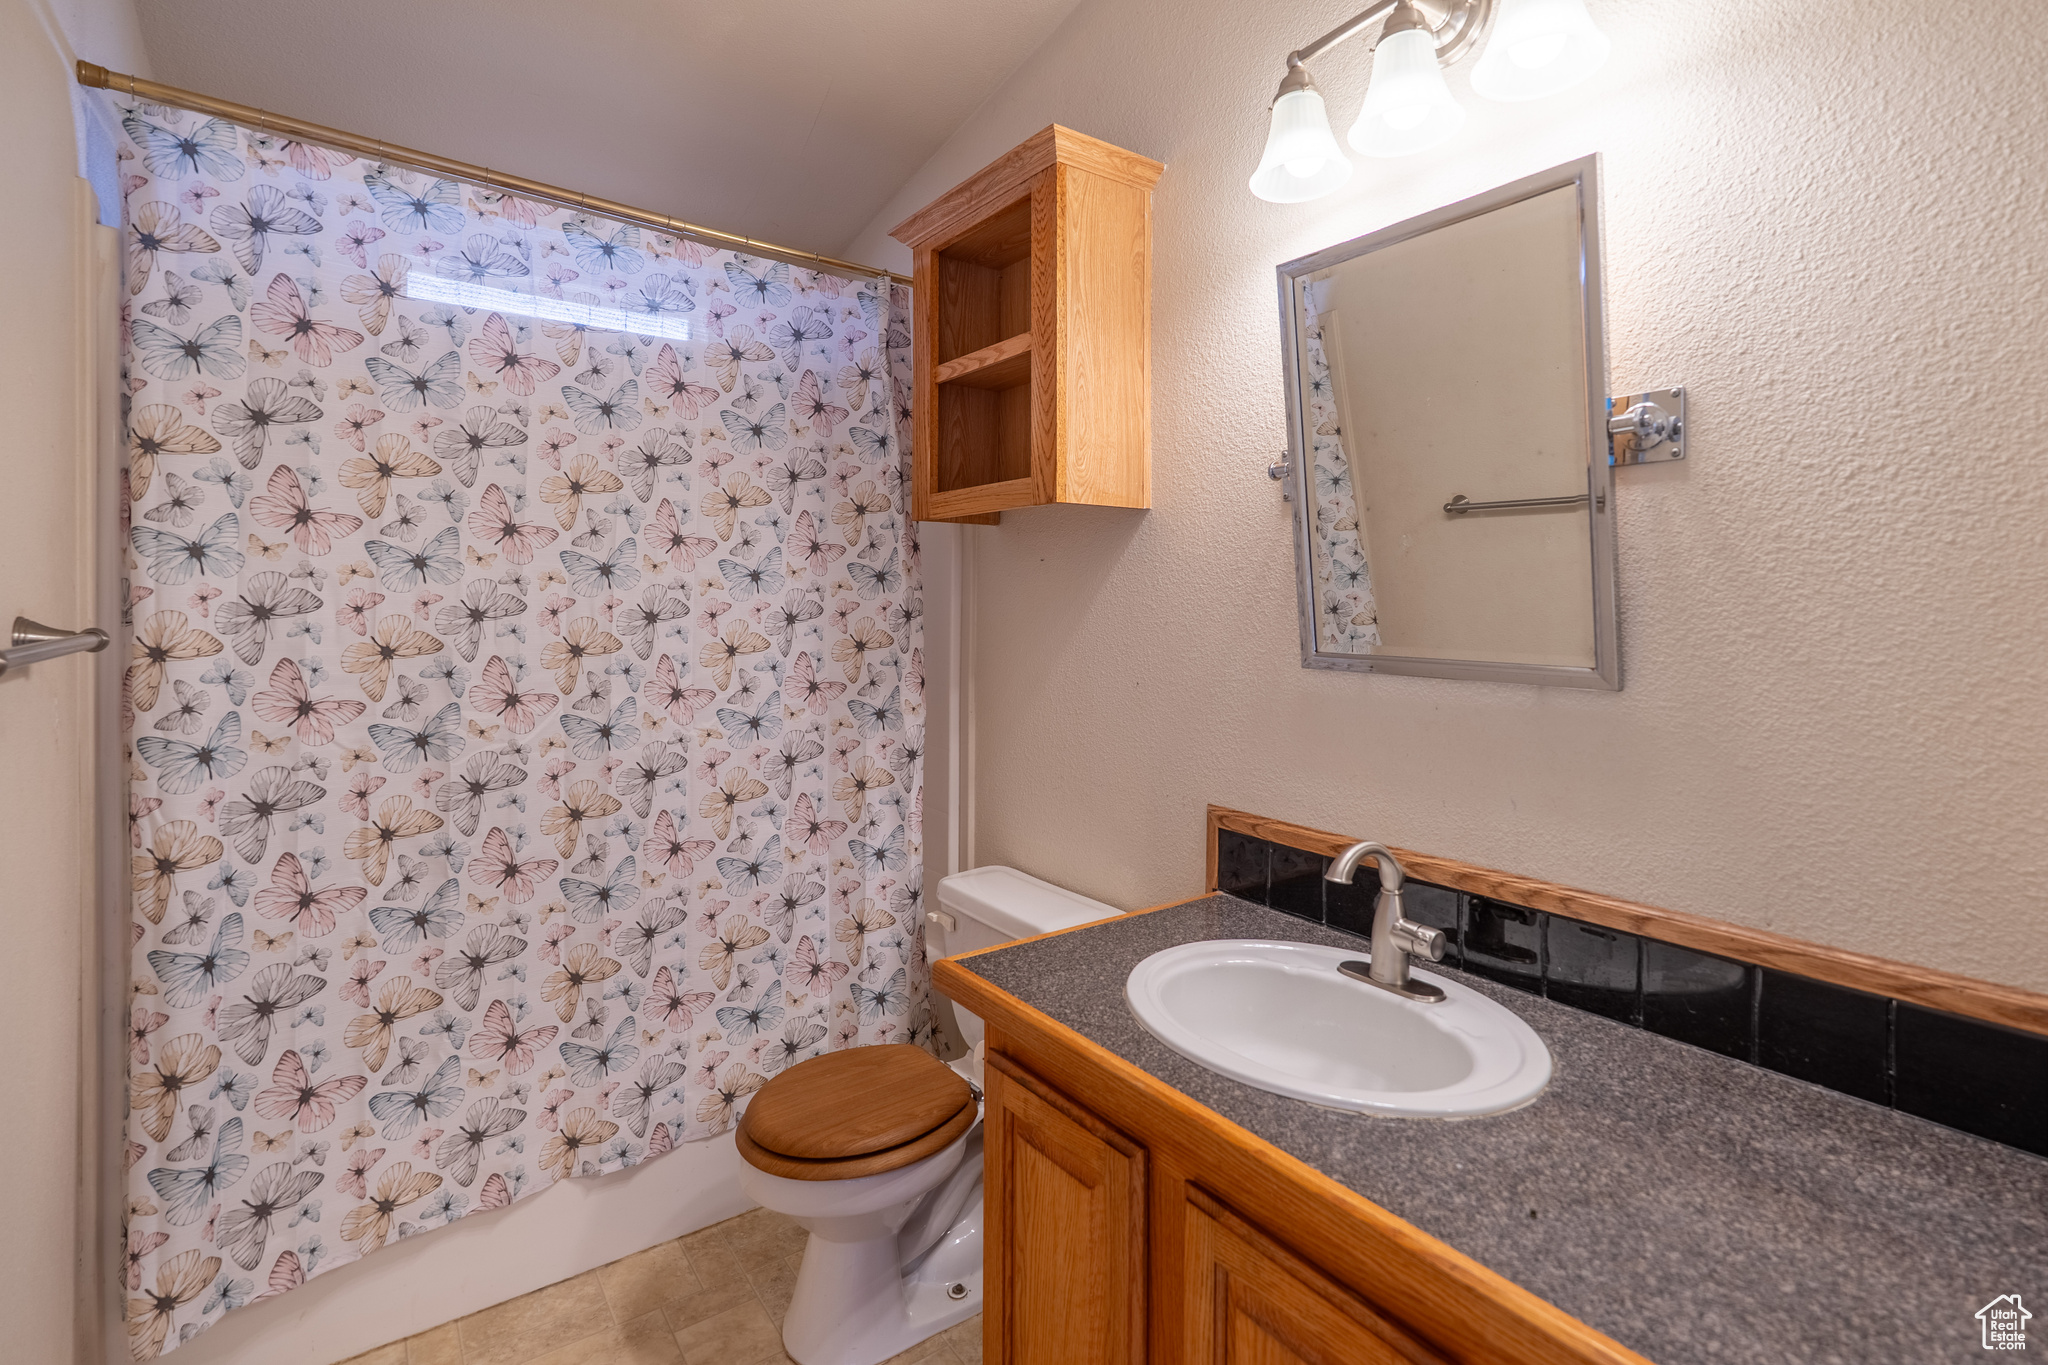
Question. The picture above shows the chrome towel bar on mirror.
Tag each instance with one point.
(34, 642)
(1458, 503)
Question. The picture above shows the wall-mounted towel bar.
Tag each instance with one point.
(1459, 505)
(34, 642)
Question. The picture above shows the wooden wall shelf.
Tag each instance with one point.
(1001, 366)
(1033, 322)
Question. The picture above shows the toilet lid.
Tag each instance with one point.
(856, 1103)
(854, 1167)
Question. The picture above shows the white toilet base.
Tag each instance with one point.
(843, 1313)
(856, 1300)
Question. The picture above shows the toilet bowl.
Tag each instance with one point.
(876, 1153)
(876, 1278)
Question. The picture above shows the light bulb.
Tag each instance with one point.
(1407, 107)
(1302, 160)
(1538, 48)
(1541, 50)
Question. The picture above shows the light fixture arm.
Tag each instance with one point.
(1456, 25)
(1350, 28)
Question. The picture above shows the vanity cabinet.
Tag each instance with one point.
(1032, 332)
(1126, 1223)
(1247, 1298)
(1068, 1247)
(1065, 1259)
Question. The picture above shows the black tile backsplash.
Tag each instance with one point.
(1295, 884)
(1504, 943)
(1594, 969)
(1700, 999)
(1959, 1072)
(1830, 1035)
(1980, 1078)
(1350, 907)
(1241, 865)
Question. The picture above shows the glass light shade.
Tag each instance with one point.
(1407, 107)
(1539, 47)
(1302, 160)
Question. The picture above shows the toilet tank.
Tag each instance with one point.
(991, 905)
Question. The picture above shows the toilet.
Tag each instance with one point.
(876, 1152)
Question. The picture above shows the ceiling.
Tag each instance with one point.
(788, 120)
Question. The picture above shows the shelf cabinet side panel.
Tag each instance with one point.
(1048, 332)
(1105, 359)
(924, 419)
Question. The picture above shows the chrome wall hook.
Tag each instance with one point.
(34, 642)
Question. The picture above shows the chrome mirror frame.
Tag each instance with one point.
(1605, 673)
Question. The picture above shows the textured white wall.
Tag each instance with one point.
(1828, 221)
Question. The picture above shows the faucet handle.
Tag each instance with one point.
(1420, 940)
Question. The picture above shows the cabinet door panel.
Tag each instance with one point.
(1250, 1301)
(1066, 1249)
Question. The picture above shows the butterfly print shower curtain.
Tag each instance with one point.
(526, 706)
(1347, 619)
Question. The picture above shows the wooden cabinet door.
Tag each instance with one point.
(1250, 1301)
(1065, 1257)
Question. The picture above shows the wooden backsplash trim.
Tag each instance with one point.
(2007, 1005)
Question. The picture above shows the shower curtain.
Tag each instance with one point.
(1347, 619)
(526, 707)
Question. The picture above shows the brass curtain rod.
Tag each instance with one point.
(298, 130)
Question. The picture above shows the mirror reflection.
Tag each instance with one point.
(1447, 375)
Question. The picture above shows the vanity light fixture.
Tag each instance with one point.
(1539, 47)
(1533, 48)
(1302, 160)
(1408, 108)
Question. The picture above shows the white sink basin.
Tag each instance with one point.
(1280, 1016)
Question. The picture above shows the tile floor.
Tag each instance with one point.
(714, 1297)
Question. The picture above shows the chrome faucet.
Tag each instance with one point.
(1394, 937)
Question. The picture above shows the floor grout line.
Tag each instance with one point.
(611, 1310)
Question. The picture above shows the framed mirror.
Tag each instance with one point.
(1447, 423)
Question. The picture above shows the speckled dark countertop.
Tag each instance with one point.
(1692, 1207)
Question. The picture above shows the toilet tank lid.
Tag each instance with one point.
(1016, 903)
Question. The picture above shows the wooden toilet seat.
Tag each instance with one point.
(864, 1111)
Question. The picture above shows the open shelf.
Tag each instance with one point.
(1001, 366)
(984, 285)
(982, 375)
(984, 435)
